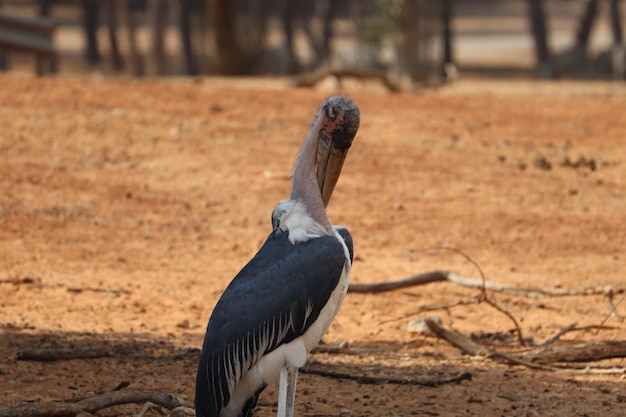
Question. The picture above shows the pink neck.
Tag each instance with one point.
(305, 187)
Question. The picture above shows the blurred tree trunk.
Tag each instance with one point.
(237, 46)
(616, 23)
(111, 17)
(185, 13)
(537, 16)
(288, 18)
(128, 18)
(90, 27)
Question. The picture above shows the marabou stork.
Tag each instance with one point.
(279, 305)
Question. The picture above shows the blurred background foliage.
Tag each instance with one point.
(402, 42)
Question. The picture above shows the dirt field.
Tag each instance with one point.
(126, 207)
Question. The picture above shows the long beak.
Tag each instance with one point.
(341, 122)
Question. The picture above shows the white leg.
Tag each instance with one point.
(291, 389)
(282, 393)
(287, 391)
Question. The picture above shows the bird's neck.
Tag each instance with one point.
(305, 187)
(293, 217)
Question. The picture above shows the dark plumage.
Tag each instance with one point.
(294, 281)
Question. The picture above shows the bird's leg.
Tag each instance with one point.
(287, 390)
(292, 372)
(282, 392)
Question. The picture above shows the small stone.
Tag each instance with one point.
(419, 325)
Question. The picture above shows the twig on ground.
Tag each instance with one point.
(121, 385)
(91, 404)
(78, 290)
(36, 281)
(24, 280)
(613, 305)
(557, 336)
(613, 308)
(465, 344)
(485, 297)
(317, 369)
(58, 354)
(518, 329)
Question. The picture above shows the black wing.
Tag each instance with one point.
(273, 300)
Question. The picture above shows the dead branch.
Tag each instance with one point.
(36, 281)
(484, 297)
(60, 354)
(439, 276)
(318, 369)
(78, 290)
(530, 292)
(470, 347)
(612, 305)
(419, 279)
(613, 308)
(561, 332)
(518, 329)
(121, 385)
(466, 345)
(582, 352)
(597, 368)
(89, 405)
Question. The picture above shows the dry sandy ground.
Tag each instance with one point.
(127, 206)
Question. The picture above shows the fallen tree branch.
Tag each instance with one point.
(472, 348)
(60, 354)
(36, 281)
(419, 279)
(440, 276)
(78, 290)
(89, 405)
(317, 369)
(582, 352)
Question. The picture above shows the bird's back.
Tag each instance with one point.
(273, 300)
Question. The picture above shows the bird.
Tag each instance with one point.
(278, 307)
